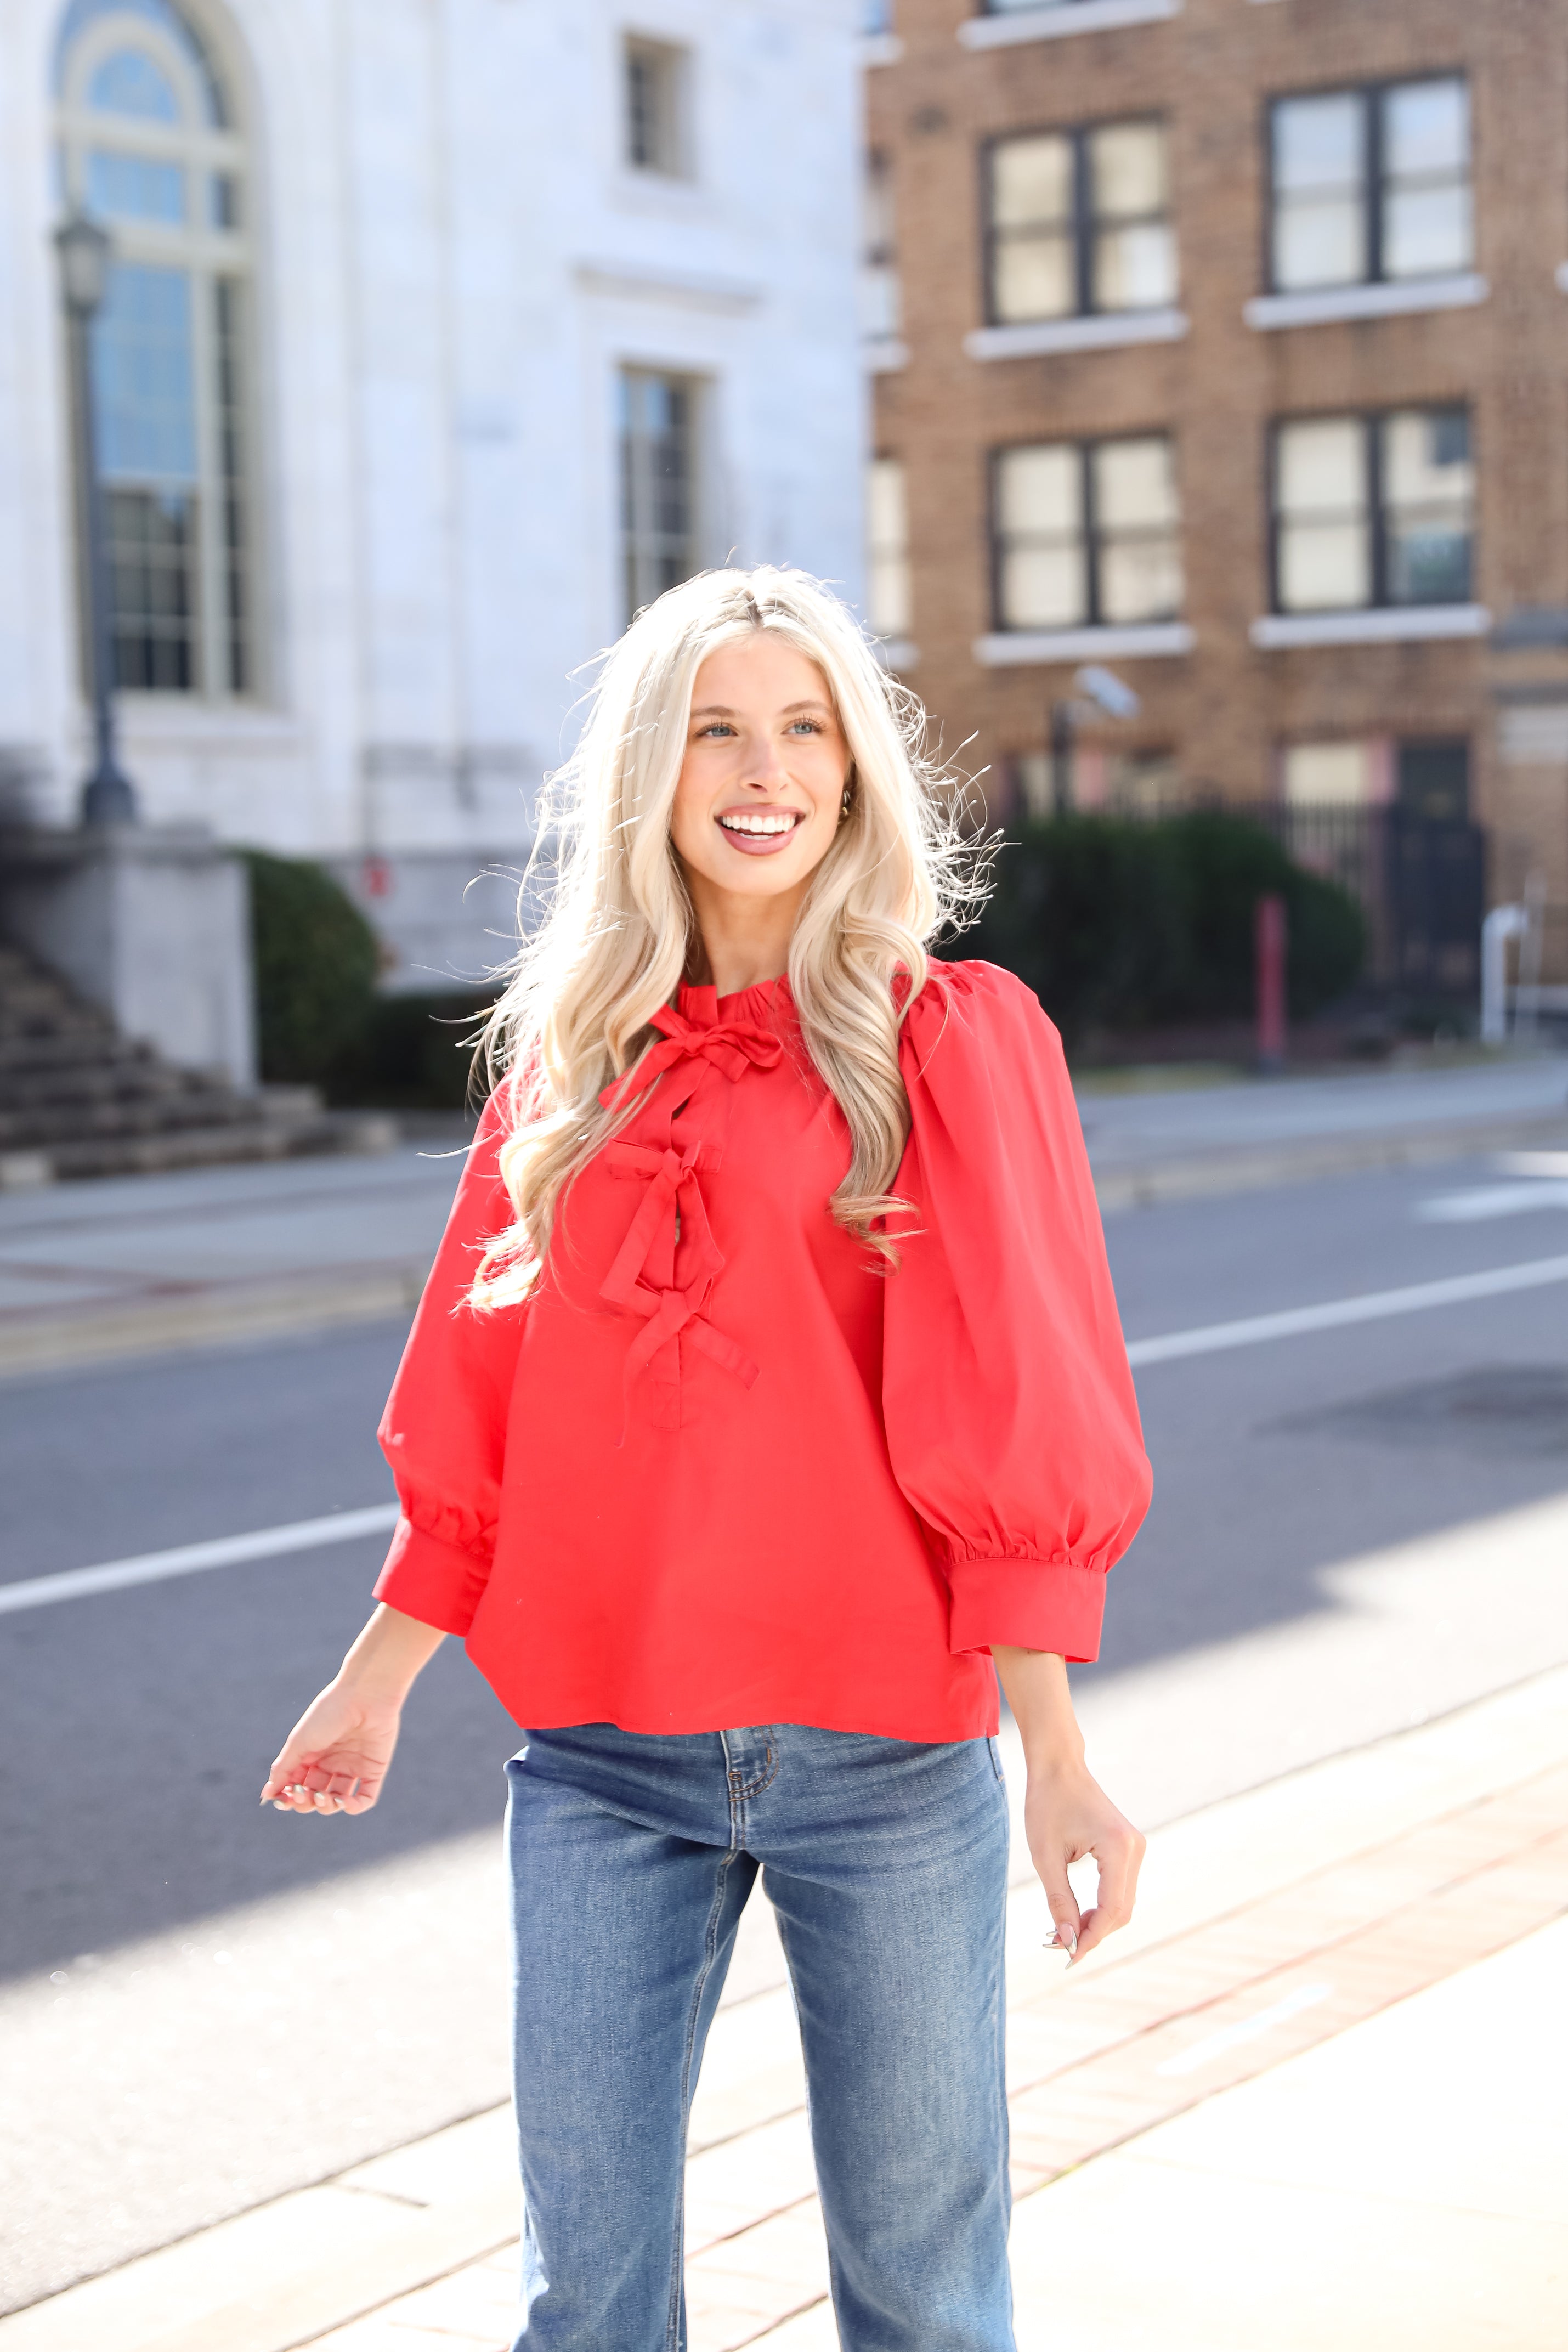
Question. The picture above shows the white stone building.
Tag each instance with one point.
(441, 332)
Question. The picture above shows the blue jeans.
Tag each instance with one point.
(631, 1858)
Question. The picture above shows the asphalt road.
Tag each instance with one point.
(204, 2003)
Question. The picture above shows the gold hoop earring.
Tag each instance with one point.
(847, 803)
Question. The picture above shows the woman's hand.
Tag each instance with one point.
(336, 1757)
(1067, 1815)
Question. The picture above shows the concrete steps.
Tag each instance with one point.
(78, 1100)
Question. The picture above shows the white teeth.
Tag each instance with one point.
(758, 824)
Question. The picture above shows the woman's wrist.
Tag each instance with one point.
(386, 1660)
(1035, 1683)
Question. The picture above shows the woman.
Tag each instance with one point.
(768, 1401)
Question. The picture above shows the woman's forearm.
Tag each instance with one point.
(1035, 1682)
(389, 1654)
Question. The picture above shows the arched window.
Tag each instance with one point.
(150, 146)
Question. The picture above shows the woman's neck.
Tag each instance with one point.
(739, 941)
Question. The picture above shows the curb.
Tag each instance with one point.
(56, 1339)
(1207, 1174)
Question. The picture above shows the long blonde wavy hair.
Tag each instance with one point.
(618, 927)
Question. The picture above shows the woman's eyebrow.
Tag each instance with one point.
(724, 711)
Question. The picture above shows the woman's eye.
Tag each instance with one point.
(719, 727)
(806, 727)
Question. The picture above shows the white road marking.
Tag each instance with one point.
(1483, 1201)
(1246, 2029)
(1371, 1307)
(188, 1560)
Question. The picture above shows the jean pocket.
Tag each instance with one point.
(995, 1748)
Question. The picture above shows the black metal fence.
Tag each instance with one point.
(1420, 881)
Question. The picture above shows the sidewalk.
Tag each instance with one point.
(133, 1263)
(1313, 2095)
(89, 1271)
(1173, 1143)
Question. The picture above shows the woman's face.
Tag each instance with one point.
(757, 806)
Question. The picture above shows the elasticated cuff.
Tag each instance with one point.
(1027, 1605)
(437, 1582)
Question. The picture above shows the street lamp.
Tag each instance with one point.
(1094, 689)
(86, 252)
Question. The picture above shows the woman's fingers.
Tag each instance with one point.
(1063, 1904)
(1118, 1855)
(322, 1785)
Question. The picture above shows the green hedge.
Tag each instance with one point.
(317, 962)
(414, 1053)
(1124, 924)
(320, 1018)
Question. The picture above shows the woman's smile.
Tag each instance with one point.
(759, 831)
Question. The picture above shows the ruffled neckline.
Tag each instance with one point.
(762, 1002)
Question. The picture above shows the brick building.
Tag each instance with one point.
(1225, 343)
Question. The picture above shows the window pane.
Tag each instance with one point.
(1033, 277)
(1136, 517)
(1318, 144)
(1043, 572)
(1031, 182)
(1426, 456)
(1141, 578)
(135, 187)
(1135, 484)
(1428, 561)
(1127, 169)
(888, 524)
(1320, 242)
(1426, 129)
(1325, 775)
(1324, 532)
(1044, 587)
(1425, 230)
(658, 484)
(141, 87)
(144, 370)
(129, 82)
(1322, 467)
(1428, 485)
(1038, 491)
(1134, 268)
(1324, 567)
(152, 589)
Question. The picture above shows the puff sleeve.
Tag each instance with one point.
(444, 1429)
(1012, 1420)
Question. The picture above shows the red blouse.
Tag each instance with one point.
(718, 1468)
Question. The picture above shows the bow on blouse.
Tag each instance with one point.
(666, 1267)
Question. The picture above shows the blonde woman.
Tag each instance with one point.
(768, 1401)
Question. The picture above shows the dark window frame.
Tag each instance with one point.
(1084, 447)
(1370, 421)
(1081, 228)
(1372, 95)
